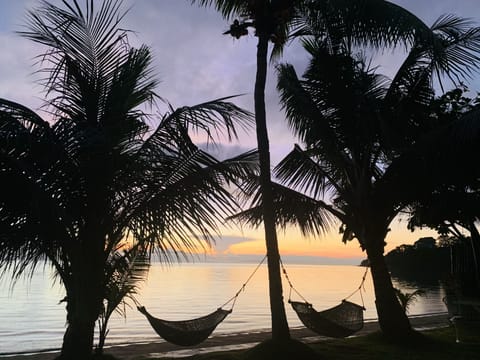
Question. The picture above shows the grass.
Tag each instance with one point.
(438, 344)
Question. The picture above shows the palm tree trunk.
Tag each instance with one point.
(84, 300)
(280, 329)
(78, 338)
(392, 319)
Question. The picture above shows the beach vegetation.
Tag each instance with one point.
(407, 299)
(408, 262)
(452, 210)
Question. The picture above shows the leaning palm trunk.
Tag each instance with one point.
(280, 329)
(392, 318)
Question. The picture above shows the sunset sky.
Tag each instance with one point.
(195, 63)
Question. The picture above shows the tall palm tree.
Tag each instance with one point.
(360, 130)
(271, 20)
(377, 22)
(96, 180)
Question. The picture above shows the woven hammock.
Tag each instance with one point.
(340, 321)
(194, 331)
(186, 332)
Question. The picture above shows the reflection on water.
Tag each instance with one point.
(430, 302)
(32, 320)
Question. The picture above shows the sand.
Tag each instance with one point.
(160, 349)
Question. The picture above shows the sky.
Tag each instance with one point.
(195, 63)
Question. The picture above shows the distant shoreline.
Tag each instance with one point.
(227, 342)
(255, 259)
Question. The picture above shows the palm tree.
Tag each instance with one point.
(358, 128)
(372, 21)
(95, 181)
(270, 19)
(124, 271)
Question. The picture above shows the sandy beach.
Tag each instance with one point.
(160, 349)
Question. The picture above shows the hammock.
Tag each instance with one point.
(339, 321)
(194, 331)
(186, 332)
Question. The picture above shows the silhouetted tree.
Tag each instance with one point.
(372, 21)
(361, 133)
(451, 208)
(96, 179)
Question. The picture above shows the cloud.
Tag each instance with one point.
(224, 243)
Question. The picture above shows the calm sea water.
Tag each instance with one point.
(31, 318)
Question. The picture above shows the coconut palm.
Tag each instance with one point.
(361, 131)
(369, 21)
(271, 20)
(101, 178)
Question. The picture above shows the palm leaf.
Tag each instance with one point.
(313, 217)
(455, 53)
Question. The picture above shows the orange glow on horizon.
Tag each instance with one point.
(241, 241)
(299, 247)
(291, 242)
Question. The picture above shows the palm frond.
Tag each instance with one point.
(85, 53)
(311, 216)
(15, 113)
(184, 198)
(452, 51)
(228, 8)
(364, 22)
(215, 118)
(298, 171)
(456, 49)
(304, 113)
(34, 216)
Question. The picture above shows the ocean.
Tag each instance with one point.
(31, 318)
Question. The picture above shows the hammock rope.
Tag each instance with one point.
(242, 288)
(292, 288)
(339, 321)
(360, 288)
(194, 331)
